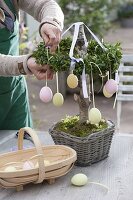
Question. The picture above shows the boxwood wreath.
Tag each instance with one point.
(97, 62)
(95, 57)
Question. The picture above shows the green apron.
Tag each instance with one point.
(14, 105)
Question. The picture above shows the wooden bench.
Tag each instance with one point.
(125, 88)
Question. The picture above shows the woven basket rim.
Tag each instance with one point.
(111, 127)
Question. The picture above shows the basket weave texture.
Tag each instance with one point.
(90, 149)
(48, 162)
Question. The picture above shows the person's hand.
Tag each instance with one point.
(51, 36)
(40, 72)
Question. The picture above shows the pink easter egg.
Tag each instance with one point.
(28, 165)
(111, 86)
(46, 94)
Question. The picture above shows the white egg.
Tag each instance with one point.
(58, 99)
(79, 179)
(94, 116)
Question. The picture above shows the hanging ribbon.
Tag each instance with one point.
(117, 80)
(74, 60)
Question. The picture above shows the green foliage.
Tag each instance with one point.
(126, 10)
(94, 13)
(97, 59)
(72, 126)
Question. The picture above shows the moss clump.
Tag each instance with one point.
(72, 126)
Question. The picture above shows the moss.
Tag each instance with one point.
(72, 126)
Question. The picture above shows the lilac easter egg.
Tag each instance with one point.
(111, 86)
(28, 165)
(46, 94)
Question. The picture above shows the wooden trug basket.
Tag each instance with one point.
(48, 162)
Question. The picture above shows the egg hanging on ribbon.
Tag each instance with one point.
(72, 81)
(46, 94)
(111, 86)
(94, 116)
(106, 94)
(58, 99)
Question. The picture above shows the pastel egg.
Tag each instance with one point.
(10, 169)
(111, 86)
(28, 165)
(79, 179)
(46, 163)
(106, 94)
(94, 116)
(46, 94)
(58, 99)
(72, 81)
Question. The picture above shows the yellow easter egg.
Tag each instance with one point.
(10, 169)
(94, 116)
(58, 99)
(106, 94)
(72, 81)
(79, 179)
(46, 163)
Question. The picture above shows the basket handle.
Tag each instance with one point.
(38, 147)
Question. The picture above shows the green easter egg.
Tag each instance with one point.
(10, 169)
(79, 179)
(94, 116)
(58, 99)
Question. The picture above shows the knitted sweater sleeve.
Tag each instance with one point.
(44, 11)
(13, 65)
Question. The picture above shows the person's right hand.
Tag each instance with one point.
(39, 71)
(51, 36)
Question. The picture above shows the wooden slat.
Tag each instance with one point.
(125, 78)
(126, 69)
(125, 88)
(127, 58)
(125, 97)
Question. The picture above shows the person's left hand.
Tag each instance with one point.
(39, 71)
(51, 36)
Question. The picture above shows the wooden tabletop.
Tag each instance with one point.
(115, 172)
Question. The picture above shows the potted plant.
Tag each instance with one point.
(87, 132)
(125, 14)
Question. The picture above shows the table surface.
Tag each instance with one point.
(116, 172)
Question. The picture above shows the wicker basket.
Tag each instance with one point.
(48, 163)
(90, 149)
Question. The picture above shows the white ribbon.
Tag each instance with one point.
(84, 85)
(96, 38)
(117, 81)
(74, 60)
(117, 77)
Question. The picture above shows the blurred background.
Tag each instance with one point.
(111, 21)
